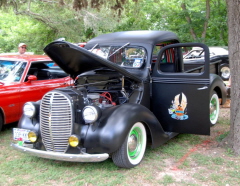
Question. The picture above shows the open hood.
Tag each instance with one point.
(76, 60)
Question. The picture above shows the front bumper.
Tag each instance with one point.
(83, 157)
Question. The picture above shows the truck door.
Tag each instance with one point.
(180, 99)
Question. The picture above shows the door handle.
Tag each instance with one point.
(203, 88)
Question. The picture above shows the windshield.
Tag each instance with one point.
(131, 57)
(11, 71)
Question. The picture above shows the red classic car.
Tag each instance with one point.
(26, 78)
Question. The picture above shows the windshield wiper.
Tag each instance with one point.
(119, 49)
(93, 47)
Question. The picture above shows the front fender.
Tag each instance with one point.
(217, 84)
(109, 133)
(31, 123)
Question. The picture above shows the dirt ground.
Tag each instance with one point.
(205, 174)
(210, 147)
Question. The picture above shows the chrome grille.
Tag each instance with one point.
(55, 121)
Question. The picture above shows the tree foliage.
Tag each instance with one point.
(193, 21)
(15, 29)
(80, 20)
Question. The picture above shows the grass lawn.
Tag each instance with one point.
(184, 160)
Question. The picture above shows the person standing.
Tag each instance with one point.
(22, 48)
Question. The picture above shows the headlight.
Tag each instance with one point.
(32, 136)
(73, 141)
(29, 109)
(91, 113)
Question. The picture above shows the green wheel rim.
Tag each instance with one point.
(214, 109)
(136, 143)
(136, 136)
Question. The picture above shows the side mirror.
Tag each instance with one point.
(32, 78)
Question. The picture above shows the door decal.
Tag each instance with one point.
(178, 109)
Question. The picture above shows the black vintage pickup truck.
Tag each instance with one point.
(130, 88)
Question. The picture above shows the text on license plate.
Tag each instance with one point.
(20, 134)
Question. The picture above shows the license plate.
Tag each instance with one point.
(20, 134)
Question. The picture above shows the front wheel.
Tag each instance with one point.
(131, 152)
(214, 108)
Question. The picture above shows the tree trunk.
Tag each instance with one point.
(188, 18)
(233, 7)
(206, 21)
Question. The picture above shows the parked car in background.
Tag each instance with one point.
(81, 44)
(26, 78)
(219, 61)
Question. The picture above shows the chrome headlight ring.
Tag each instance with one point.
(29, 109)
(91, 114)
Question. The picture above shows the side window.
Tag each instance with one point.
(195, 52)
(169, 56)
(174, 60)
(194, 60)
(167, 61)
(45, 70)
